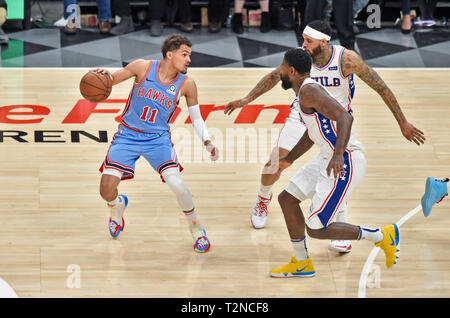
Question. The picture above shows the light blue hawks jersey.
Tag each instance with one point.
(152, 103)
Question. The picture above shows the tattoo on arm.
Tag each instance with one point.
(264, 85)
(353, 63)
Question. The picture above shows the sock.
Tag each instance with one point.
(300, 250)
(113, 202)
(373, 235)
(191, 217)
(265, 191)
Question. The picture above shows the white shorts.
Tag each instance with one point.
(291, 132)
(326, 193)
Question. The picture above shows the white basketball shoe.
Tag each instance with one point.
(340, 246)
(117, 214)
(259, 212)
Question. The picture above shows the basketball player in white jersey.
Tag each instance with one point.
(329, 178)
(333, 67)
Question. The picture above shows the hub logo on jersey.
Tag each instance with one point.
(172, 90)
(327, 81)
(333, 68)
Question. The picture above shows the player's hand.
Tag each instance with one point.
(412, 133)
(336, 165)
(231, 106)
(213, 151)
(103, 71)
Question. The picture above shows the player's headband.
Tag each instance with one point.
(313, 33)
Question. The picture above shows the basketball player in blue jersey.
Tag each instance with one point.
(329, 178)
(144, 131)
(333, 67)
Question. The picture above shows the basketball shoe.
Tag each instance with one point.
(259, 212)
(294, 269)
(117, 214)
(340, 246)
(389, 244)
(201, 242)
(435, 192)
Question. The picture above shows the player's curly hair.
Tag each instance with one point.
(174, 42)
(299, 59)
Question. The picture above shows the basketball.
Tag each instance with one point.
(95, 87)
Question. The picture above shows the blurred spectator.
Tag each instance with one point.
(104, 15)
(184, 8)
(343, 18)
(3, 36)
(123, 10)
(217, 14)
(426, 12)
(236, 22)
(406, 16)
(358, 5)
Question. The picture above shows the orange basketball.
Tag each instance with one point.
(95, 87)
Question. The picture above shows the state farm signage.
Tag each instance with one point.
(80, 113)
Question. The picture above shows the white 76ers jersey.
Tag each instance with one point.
(332, 78)
(323, 131)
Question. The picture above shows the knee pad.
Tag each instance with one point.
(173, 180)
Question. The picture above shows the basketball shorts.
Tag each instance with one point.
(291, 132)
(326, 193)
(129, 145)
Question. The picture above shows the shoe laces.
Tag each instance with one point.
(113, 225)
(261, 206)
(202, 242)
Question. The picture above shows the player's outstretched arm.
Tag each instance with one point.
(137, 69)
(190, 92)
(353, 63)
(264, 85)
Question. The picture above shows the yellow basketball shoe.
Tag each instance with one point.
(389, 244)
(294, 269)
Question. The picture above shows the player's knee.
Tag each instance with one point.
(315, 228)
(314, 233)
(286, 199)
(107, 188)
(176, 184)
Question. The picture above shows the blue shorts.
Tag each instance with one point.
(129, 145)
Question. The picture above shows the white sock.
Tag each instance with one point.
(300, 250)
(113, 202)
(374, 235)
(191, 217)
(265, 191)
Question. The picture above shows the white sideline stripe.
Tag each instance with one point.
(374, 252)
(6, 291)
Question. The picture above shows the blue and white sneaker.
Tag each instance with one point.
(201, 242)
(435, 192)
(117, 214)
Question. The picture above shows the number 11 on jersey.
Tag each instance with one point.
(152, 117)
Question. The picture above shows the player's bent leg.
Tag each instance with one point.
(341, 246)
(269, 176)
(173, 179)
(116, 202)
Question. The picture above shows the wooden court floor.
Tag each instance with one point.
(54, 240)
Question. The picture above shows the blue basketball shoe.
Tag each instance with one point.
(435, 191)
(117, 214)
